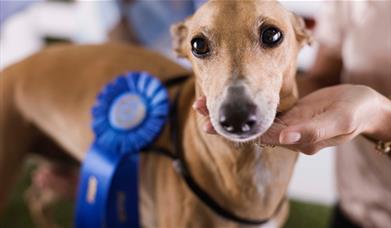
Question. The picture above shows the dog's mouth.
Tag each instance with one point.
(242, 138)
(256, 131)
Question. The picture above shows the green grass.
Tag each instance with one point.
(308, 215)
(302, 215)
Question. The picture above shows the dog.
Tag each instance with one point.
(244, 57)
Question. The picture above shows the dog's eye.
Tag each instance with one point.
(271, 36)
(199, 47)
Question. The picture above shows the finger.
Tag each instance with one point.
(200, 106)
(319, 128)
(208, 128)
(271, 136)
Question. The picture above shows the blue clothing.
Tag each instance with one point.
(10, 7)
(151, 20)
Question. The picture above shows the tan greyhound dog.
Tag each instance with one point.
(244, 60)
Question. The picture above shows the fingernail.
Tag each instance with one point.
(290, 138)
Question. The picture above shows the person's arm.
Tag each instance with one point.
(381, 127)
(332, 116)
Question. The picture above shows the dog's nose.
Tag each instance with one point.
(238, 118)
(238, 115)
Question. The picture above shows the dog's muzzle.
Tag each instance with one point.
(238, 115)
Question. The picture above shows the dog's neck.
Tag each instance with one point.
(245, 178)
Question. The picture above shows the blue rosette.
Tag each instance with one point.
(128, 115)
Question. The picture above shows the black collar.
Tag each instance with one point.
(182, 168)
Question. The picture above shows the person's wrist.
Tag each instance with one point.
(379, 126)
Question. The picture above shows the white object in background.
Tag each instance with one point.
(307, 8)
(22, 34)
(82, 22)
(307, 56)
(55, 19)
(314, 178)
(95, 19)
(16, 40)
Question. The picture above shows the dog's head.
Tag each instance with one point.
(244, 57)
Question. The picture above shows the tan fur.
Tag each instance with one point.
(55, 89)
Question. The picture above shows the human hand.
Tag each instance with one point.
(327, 117)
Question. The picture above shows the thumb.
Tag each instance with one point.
(271, 136)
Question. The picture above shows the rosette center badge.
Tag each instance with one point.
(127, 111)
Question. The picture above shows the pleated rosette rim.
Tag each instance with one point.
(153, 95)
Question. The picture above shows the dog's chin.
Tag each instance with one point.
(242, 138)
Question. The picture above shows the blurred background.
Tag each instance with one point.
(28, 26)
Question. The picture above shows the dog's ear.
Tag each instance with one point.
(179, 33)
(303, 35)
